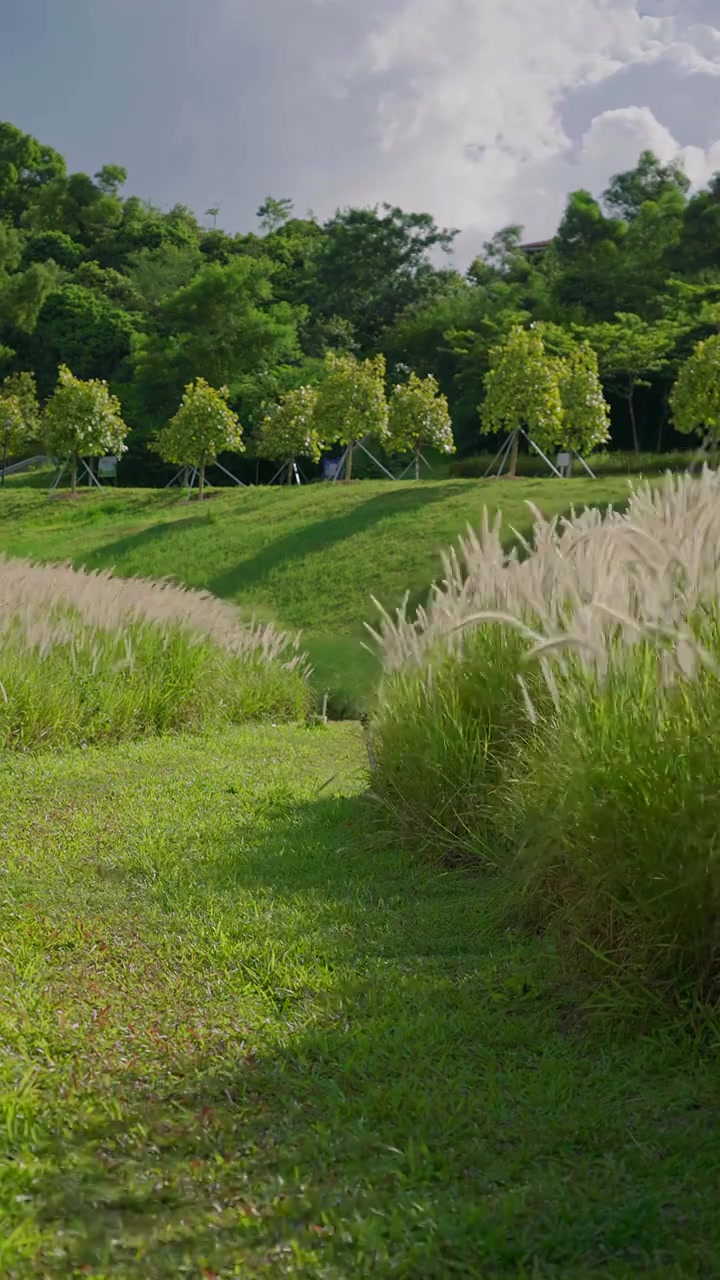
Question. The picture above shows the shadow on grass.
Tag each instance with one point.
(313, 539)
(320, 537)
(394, 1100)
(110, 553)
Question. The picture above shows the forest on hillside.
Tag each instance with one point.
(149, 299)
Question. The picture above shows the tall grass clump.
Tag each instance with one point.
(442, 737)
(87, 657)
(597, 784)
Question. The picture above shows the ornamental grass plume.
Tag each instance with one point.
(88, 657)
(592, 577)
(553, 711)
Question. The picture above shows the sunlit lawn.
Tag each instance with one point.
(307, 558)
(242, 1036)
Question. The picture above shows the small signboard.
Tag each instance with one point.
(107, 468)
(563, 462)
(330, 468)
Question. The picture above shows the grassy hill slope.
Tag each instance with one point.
(307, 557)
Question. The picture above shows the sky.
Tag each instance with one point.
(480, 112)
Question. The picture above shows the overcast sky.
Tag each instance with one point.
(482, 112)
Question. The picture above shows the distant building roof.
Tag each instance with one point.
(536, 246)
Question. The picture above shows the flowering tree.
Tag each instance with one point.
(522, 391)
(351, 402)
(586, 413)
(695, 398)
(289, 432)
(203, 427)
(19, 415)
(83, 419)
(419, 419)
(12, 427)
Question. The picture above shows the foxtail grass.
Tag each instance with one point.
(554, 709)
(86, 658)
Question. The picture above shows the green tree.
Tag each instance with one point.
(273, 213)
(24, 293)
(695, 398)
(451, 337)
(501, 256)
(290, 431)
(109, 178)
(585, 262)
(223, 326)
(648, 181)
(522, 392)
(293, 250)
(111, 284)
(142, 226)
(84, 420)
(699, 248)
(158, 273)
(27, 167)
(19, 415)
(22, 387)
(203, 427)
(42, 246)
(352, 402)
(419, 419)
(586, 413)
(79, 207)
(83, 329)
(628, 351)
(372, 264)
(13, 434)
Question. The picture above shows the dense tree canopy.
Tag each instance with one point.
(150, 299)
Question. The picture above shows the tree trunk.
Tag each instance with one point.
(348, 460)
(514, 455)
(186, 478)
(201, 481)
(633, 420)
(417, 464)
(290, 471)
(73, 473)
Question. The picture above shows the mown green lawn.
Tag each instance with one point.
(243, 1037)
(308, 558)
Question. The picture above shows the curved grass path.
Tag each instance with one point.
(240, 1040)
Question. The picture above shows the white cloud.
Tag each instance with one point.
(469, 102)
(483, 112)
(615, 139)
